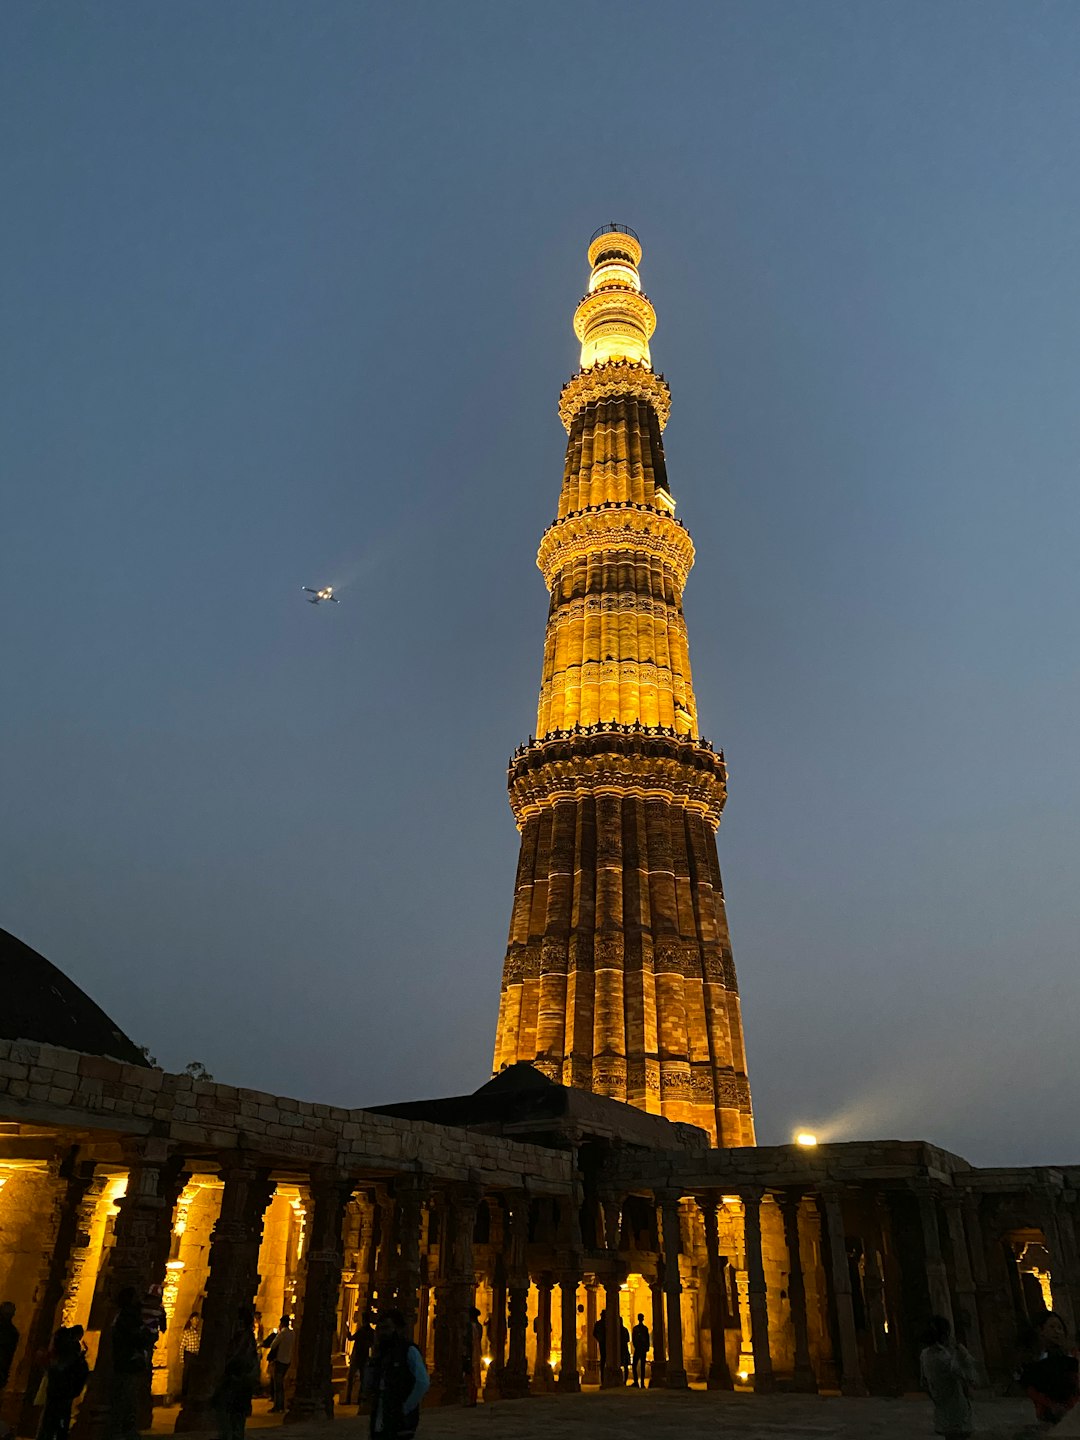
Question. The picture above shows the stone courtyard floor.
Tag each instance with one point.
(664, 1415)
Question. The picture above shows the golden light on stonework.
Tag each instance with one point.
(806, 1138)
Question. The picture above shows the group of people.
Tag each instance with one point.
(634, 1347)
(1049, 1374)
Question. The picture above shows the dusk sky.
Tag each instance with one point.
(286, 300)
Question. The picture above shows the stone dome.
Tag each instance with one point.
(39, 1002)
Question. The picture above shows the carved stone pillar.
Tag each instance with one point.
(494, 1384)
(937, 1279)
(569, 1376)
(313, 1393)
(383, 1276)
(804, 1378)
(542, 1378)
(832, 1221)
(1061, 1243)
(230, 1283)
(592, 1350)
(658, 1369)
(454, 1297)
(756, 1291)
(612, 1378)
(967, 1308)
(515, 1377)
(410, 1193)
(669, 1213)
(77, 1179)
(143, 1213)
(719, 1377)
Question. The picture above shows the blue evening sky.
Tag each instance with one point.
(285, 299)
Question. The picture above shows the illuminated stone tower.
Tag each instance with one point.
(619, 977)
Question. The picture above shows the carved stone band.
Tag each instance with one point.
(603, 382)
(614, 529)
(648, 766)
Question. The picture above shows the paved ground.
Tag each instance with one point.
(699, 1415)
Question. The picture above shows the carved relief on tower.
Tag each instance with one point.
(553, 956)
(616, 529)
(619, 377)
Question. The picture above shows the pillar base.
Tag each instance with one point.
(568, 1384)
(676, 1380)
(719, 1378)
(853, 1387)
(658, 1375)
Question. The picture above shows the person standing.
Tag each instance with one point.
(280, 1357)
(599, 1331)
(232, 1398)
(474, 1376)
(1051, 1377)
(9, 1341)
(65, 1379)
(190, 1340)
(132, 1345)
(359, 1355)
(948, 1372)
(640, 1345)
(624, 1352)
(396, 1380)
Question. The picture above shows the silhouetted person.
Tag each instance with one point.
(396, 1380)
(9, 1341)
(280, 1357)
(640, 1345)
(232, 1398)
(361, 1340)
(599, 1331)
(474, 1370)
(132, 1345)
(1051, 1378)
(624, 1352)
(948, 1373)
(65, 1379)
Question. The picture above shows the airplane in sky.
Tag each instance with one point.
(313, 597)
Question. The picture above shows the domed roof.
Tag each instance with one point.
(39, 1002)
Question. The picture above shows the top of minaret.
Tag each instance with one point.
(615, 319)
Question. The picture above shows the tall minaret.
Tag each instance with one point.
(618, 976)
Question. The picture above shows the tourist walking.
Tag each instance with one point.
(396, 1380)
(280, 1357)
(232, 1398)
(948, 1372)
(1051, 1377)
(65, 1379)
(132, 1345)
(640, 1345)
(9, 1341)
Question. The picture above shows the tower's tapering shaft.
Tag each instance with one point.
(619, 976)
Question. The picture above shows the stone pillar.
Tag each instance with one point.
(937, 1279)
(839, 1280)
(313, 1393)
(143, 1213)
(669, 1211)
(230, 1283)
(804, 1378)
(78, 1180)
(454, 1297)
(406, 1266)
(719, 1377)
(493, 1385)
(383, 1246)
(658, 1369)
(569, 1378)
(542, 1376)
(612, 1378)
(756, 1290)
(515, 1378)
(1060, 1242)
(592, 1350)
(967, 1310)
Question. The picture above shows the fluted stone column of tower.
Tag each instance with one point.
(619, 976)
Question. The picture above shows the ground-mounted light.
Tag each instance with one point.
(806, 1139)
